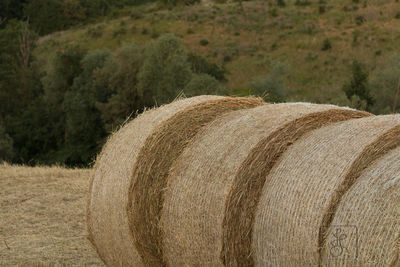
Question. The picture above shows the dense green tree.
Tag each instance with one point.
(8, 68)
(165, 70)
(73, 12)
(203, 84)
(6, 146)
(119, 77)
(358, 85)
(272, 87)
(200, 64)
(385, 86)
(45, 16)
(11, 9)
(84, 131)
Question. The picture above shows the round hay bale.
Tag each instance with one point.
(149, 177)
(108, 225)
(368, 215)
(303, 190)
(198, 198)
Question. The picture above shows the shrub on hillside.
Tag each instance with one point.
(272, 87)
(200, 64)
(201, 84)
(359, 85)
(326, 45)
(385, 86)
(165, 70)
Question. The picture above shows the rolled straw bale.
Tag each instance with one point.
(372, 207)
(108, 199)
(198, 187)
(302, 191)
(161, 149)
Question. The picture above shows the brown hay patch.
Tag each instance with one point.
(382, 145)
(150, 173)
(248, 184)
(107, 220)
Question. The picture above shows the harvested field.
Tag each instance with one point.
(43, 217)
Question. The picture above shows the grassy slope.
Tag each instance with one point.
(255, 39)
(43, 211)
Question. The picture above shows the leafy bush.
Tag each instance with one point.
(385, 86)
(272, 87)
(302, 3)
(326, 45)
(321, 9)
(203, 84)
(360, 20)
(119, 78)
(165, 70)
(281, 3)
(203, 42)
(358, 85)
(200, 64)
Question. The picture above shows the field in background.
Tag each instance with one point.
(250, 39)
(43, 219)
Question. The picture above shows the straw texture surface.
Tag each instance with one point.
(149, 178)
(301, 188)
(107, 220)
(372, 207)
(199, 183)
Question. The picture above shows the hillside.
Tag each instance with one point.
(250, 39)
(62, 94)
(43, 217)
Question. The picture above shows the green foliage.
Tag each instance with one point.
(203, 42)
(302, 3)
(6, 146)
(171, 3)
(119, 78)
(203, 84)
(11, 9)
(272, 87)
(326, 45)
(45, 15)
(385, 86)
(281, 3)
(321, 9)
(360, 20)
(83, 129)
(358, 85)
(165, 70)
(200, 64)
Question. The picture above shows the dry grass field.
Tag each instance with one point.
(42, 217)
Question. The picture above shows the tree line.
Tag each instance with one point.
(46, 16)
(63, 115)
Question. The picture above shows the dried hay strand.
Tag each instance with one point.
(299, 189)
(106, 213)
(149, 177)
(198, 186)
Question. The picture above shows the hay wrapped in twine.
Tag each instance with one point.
(366, 209)
(198, 199)
(107, 220)
(308, 184)
(148, 181)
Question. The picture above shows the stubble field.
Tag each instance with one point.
(42, 217)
